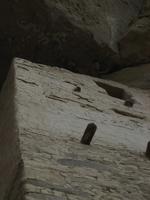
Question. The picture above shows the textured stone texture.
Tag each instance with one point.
(51, 118)
(79, 35)
(138, 76)
(135, 45)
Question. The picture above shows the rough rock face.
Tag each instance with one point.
(9, 138)
(135, 46)
(137, 77)
(50, 114)
(80, 35)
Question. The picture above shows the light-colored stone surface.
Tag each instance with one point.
(51, 119)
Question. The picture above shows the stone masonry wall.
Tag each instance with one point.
(54, 107)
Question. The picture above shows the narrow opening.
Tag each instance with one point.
(114, 91)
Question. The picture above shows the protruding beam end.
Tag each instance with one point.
(88, 134)
(129, 102)
(77, 89)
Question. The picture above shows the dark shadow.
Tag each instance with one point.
(114, 91)
(9, 136)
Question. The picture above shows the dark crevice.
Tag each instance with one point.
(23, 68)
(66, 100)
(83, 98)
(27, 82)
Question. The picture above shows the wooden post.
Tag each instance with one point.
(77, 89)
(129, 102)
(148, 150)
(88, 134)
